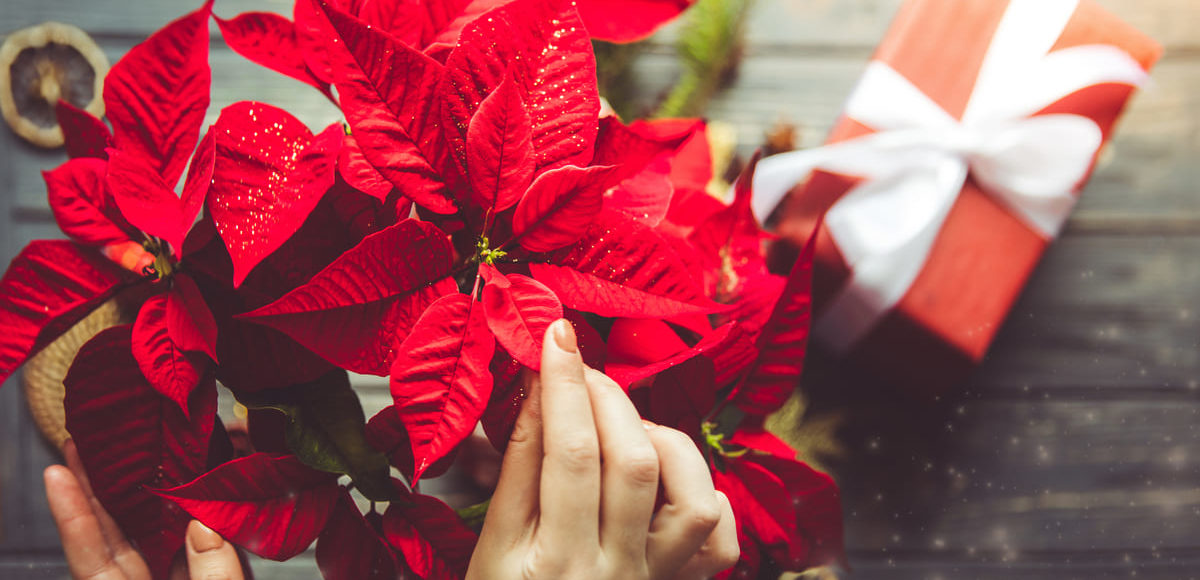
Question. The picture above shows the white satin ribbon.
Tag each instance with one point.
(916, 163)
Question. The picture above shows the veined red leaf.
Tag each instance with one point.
(386, 433)
(624, 21)
(359, 173)
(270, 173)
(692, 164)
(559, 206)
(543, 45)
(350, 547)
(356, 311)
(591, 293)
(440, 378)
(387, 91)
(151, 445)
(157, 94)
(646, 196)
(270, 40)
(164, 364)
(145, 200)
(199, 178)
(636, 342)
(83, 134)
(631, 148)
(623, 268)
(519, 309)
(189, 321)
(499, 149)
(628, 375)
(435, 542)
(76, 190)
(446, 20)
(49, 287)
(405, 21)
(781, 345)
(312, 38)
(273, 506)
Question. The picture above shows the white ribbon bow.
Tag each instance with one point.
(916, 163)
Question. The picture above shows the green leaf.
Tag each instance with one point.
(326, 431)
(710, 46)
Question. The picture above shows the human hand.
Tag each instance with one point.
(578, 485)
(97, 550)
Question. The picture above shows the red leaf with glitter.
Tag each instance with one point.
(782, 344)
(157, 94)
(519, 309)
(446, 20)
(350, 547)
(542, 44)
(592, 293)
(435, 542)
(633, 147)
(628, 20)
(499, 149)
(387, 92)
(169, 369)
(270, 40)
(356, 311)
(354, 168)
(76, 190)
(270, 173)
(623, 268)
(49, 287)
(559, 206)
(271, 505)
(152, 445)
(646, 196)
(440, 378)
(83, 134)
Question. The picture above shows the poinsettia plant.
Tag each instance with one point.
(472, 196)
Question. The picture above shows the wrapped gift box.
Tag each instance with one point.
(956, 161)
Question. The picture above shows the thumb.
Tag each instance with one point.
(209, 555)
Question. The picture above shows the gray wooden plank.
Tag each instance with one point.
(1072, 566)
(990, 480)
(1104, 311)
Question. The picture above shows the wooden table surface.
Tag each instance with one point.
(1073, 452)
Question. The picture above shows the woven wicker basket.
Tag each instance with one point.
(44, 372)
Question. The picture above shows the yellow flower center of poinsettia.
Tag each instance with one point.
(716, 441)
(486, 254)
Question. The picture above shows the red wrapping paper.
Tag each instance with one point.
(983, 255)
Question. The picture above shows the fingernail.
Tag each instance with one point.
(203, 539)
(648, 425)
(564, 335)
